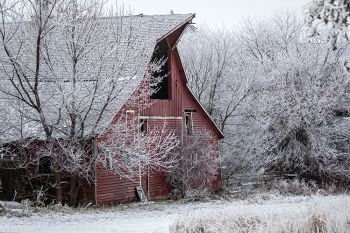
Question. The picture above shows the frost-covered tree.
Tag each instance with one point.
(63, 65)
(302, 96)
(131, 153)
(197, 168)
(298, 95)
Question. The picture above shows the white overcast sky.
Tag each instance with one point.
(214, 13)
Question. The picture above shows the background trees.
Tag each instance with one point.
(301, 97)
(302, 88)
(285, 98)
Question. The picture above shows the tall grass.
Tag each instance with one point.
(313, 214)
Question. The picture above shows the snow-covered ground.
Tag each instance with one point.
(157, 217)
(154, 217)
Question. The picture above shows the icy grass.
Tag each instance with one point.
(313, 214)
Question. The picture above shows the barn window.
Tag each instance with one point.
(194, 158)
(109, 162)
(45, 165)
(188, 122)
(342, 113)
(129, 118)
(143, 127)
(127, 160)
(161, 90)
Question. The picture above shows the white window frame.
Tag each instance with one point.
(109, 162)
(127, 112)
(194, 159)
(189, 113)
(145, 120)
(127, 160)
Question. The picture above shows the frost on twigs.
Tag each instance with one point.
(129, 153)
(346, 66)
(300, 104)
(198, 165)
(302, 133)
(328, 18)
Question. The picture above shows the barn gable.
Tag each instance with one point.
(198, 104)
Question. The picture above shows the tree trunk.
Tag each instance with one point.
(74, 190)
(59, 196)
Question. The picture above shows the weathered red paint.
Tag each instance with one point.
(111, 188)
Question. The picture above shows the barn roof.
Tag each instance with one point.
(121, 66)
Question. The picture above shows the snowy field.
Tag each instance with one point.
(181, 217)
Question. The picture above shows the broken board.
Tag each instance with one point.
(141, 194)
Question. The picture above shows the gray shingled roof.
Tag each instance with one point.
(124, 64)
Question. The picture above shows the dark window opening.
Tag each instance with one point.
(109, 162)
(45, 165)
(188, 122)
(194, 158)
(342, 113)
(143, 127)
(161, 89)
(127, 160)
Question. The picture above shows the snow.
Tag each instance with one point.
(156, 217)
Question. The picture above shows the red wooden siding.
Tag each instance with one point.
(158, 188)
(111, 188)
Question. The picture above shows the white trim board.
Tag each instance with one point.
(160, 117)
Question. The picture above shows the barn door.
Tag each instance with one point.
(142, 187)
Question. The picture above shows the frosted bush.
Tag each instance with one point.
(295, 187)
(197, 194)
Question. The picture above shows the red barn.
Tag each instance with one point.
(174, 103)
(143, 39)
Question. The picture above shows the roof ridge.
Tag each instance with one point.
(144, 15)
